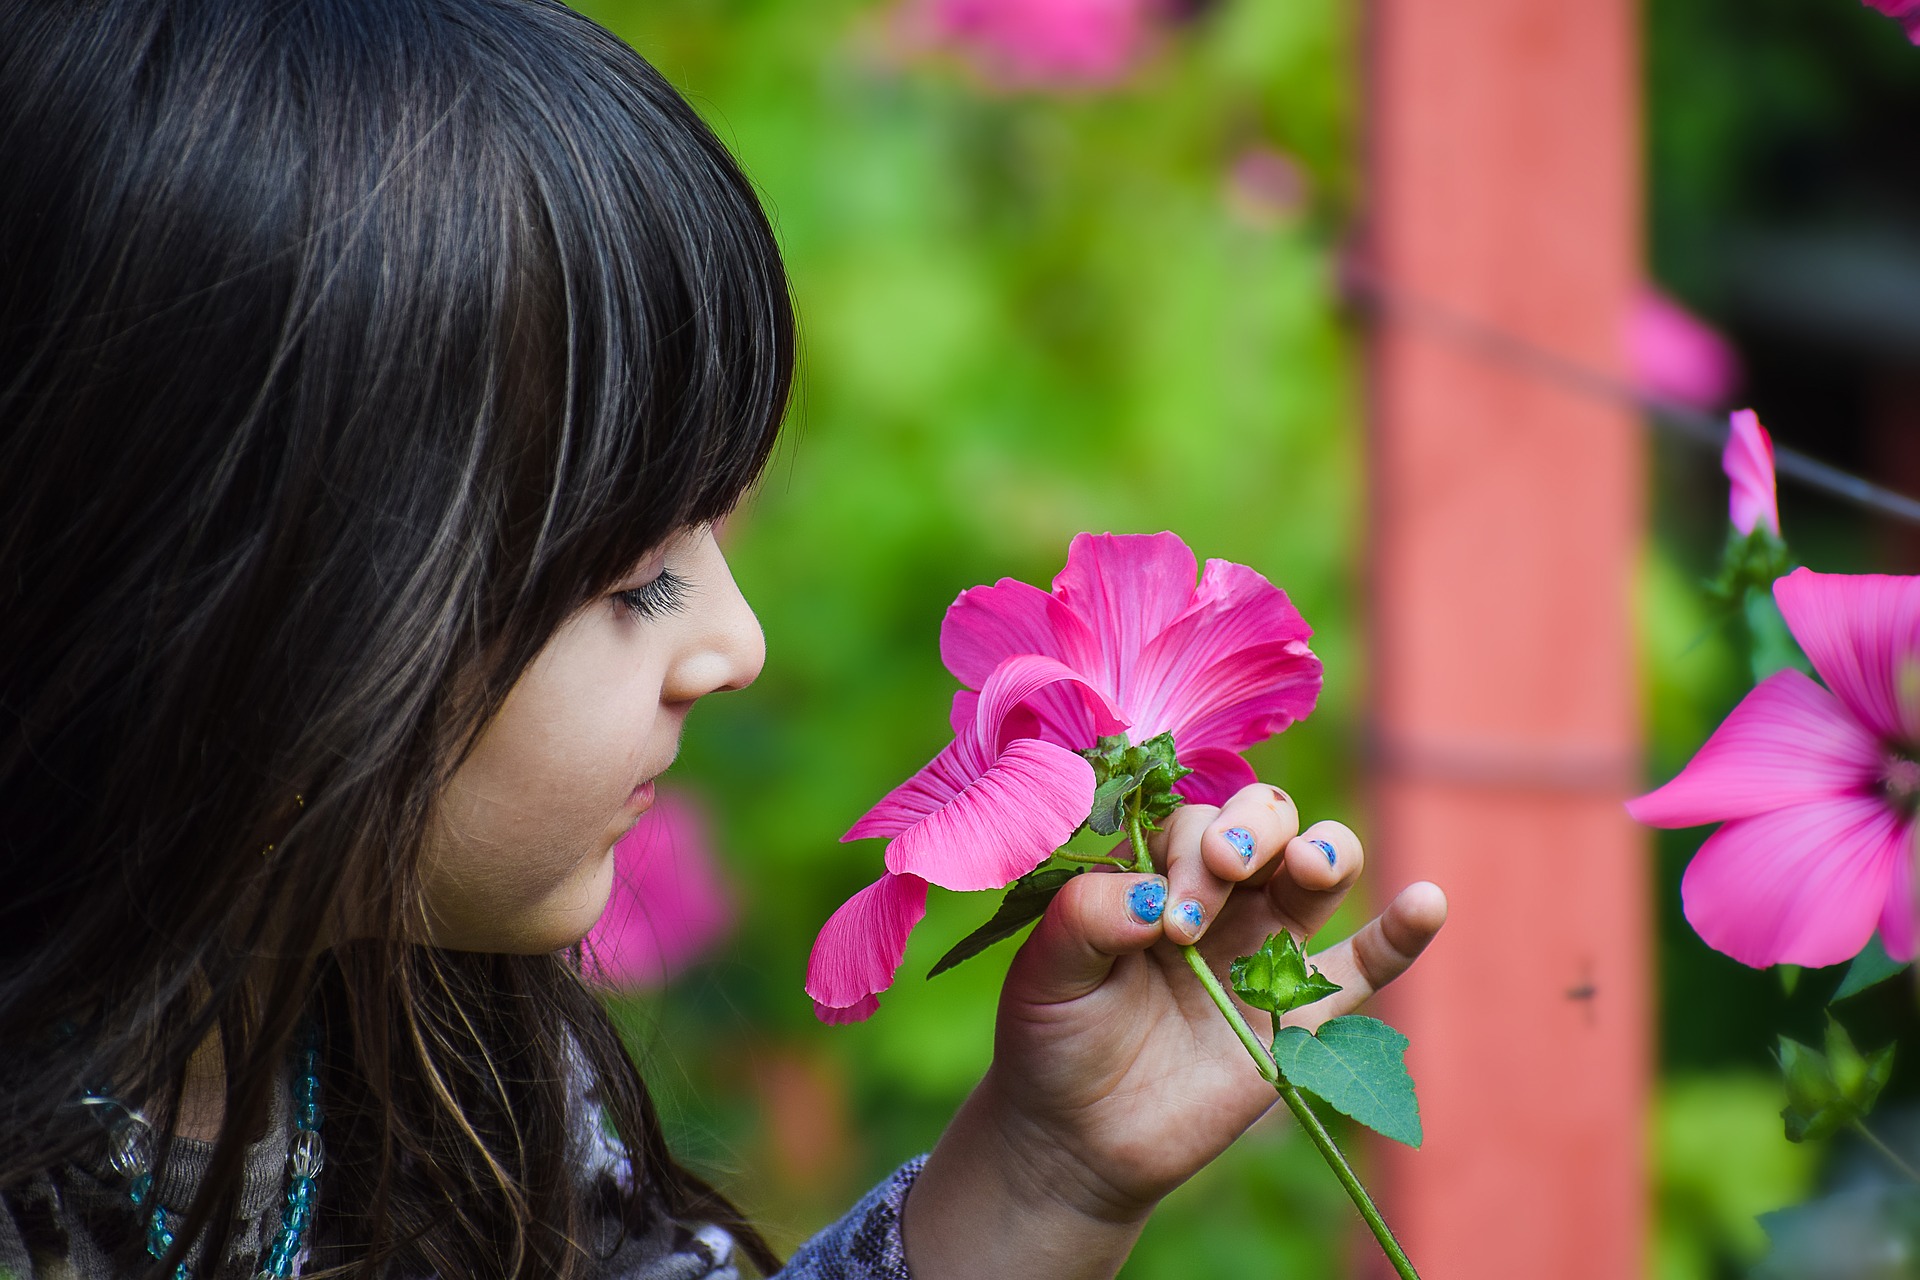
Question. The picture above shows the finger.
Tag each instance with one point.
(1094, 919)
(1187, 822)
(1204, 860)
(1380, 952)
(1318, 868)
(1250, 829)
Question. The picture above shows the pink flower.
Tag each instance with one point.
(1748, 462)
(1221, 666)
(1126, 641)
(1676, 356)
(669, 904)
(1904, 12)
(1265, 186)
(1027, 44)
(1818, 788)
(993, 805)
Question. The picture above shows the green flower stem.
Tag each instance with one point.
(1329, 1150)
(1262, 1060)
(1137, 834)
(1892, 1157)
(1086, 859)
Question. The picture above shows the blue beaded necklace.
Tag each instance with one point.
(130, 1154)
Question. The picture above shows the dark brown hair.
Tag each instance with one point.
(347, 347)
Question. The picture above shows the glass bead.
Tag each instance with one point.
(309, 1155)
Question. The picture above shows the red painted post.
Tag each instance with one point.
(1506, 516)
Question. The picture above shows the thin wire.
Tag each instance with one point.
(1701, 429)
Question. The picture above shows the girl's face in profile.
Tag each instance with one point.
(521, 856)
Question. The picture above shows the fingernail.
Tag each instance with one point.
(1332, 855)
(1242, 841)
(1189, 914)
(1147, 900)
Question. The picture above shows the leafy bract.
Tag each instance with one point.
(1120, 769)
(1276, 977)
(1827, 1092)
(1357, 1066)
(1026, 901)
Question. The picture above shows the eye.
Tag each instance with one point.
(660, 595)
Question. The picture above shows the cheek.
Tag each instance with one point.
(521, 859)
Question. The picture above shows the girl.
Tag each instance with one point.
(372, 373)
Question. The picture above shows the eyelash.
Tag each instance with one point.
(663, 594)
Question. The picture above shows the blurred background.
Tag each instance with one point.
(1082, 267)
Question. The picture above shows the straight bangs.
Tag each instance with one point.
(651, 327)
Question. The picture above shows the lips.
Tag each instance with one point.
(641, 797)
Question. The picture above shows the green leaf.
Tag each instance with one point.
(1872, 966)
(1828, 1091)
(1789, 978)
(1109, 812)
(1275, 977)
(1357, 1066)
(1026, 901)
(1120, 771)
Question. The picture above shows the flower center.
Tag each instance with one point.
(1901, 782)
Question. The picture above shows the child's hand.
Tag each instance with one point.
(1114, 1077)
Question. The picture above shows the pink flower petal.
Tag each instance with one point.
(987, 625)
(1676, 356)
(1018, 681)
(1905, 12)
(1127, 588)
(1748, 462)
(924, 794)
(1004, 824)
(1217, 774)
(669, 903)
(1802, 885)
(1231, 670)
(1788, 742)
(999, 713)
(861, 945)
(1862, 632)
(1897, 916)
(858, 1012)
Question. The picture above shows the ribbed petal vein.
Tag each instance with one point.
(1862, 632)
(1788, 742)
(1802, 885)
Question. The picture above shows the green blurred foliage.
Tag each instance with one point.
(1023, 317)
(1720, 1161)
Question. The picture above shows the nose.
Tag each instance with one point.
(725, 648)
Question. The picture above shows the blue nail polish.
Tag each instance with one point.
(1324, 847)
(1189, 915)
(1242, 841)
(1147, 900)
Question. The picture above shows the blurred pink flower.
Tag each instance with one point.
(1818, 788)
(1904, 12)
(1221, 666)
(1265, 186)
(669, 903)
(1039, 44)
(1676, 356)
(1748, 462)
(992, 806)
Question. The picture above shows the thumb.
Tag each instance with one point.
(1093, 920)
